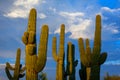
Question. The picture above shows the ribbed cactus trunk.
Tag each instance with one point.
(34, 64)
(18, 70)
(71, 62)
(59, 58)
(91, 58)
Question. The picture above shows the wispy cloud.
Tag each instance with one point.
(21, 8)
(77, 25)
(112, 62)
(111, 25)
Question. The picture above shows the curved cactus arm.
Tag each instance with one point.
(22, 69)
(42, 51)
(102, 58)
(9, 66)
(8, 73)
(21, 75)
(25, 38)
(97, 36)
(75, 63)
(54, 51)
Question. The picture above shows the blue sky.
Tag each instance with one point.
(77, 15)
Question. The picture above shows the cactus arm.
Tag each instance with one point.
(69, 58)
(17, 63)
(25, 38)
(103, 57)
(54, 51)
(82, 51)
(22, 69)
(75, 63)
(97, 38)
(8, 73)
(81, 46)
(32, 20)
(21, 75)
(61, 46)
(42, 51)
(9, 66)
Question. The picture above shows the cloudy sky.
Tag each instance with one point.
(77, 15)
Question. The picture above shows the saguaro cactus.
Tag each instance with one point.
(18, 70)
(34, 64)
(59, 58)
(92, 59)
(71, 62)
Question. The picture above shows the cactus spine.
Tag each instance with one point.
(34, 64)
(59, 58)
(18, 70)
(92, 59)
(71, 62)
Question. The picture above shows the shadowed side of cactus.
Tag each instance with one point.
(59, 57)
(71, 62)
(91, 58)
(18, 70)
(34, 64)
(82, 72)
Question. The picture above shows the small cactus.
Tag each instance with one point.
(34, 64)
(92, 59)
(18, 70)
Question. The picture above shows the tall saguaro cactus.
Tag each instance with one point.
(91, 58)
(71, 62)
(34, 64)
(18, 70)
(59, 58)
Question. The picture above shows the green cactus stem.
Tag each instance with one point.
(18, 70)
(91, 58)
(34, 64)
(59, 58)
(71, 62)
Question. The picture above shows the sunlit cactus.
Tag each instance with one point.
(59, 57)
(18, 70)
(34, 64)
(71, 62)
(91, 58)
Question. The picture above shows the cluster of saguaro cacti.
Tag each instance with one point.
(18, 70)
(92, 59)
(61, 73)
(34, 64)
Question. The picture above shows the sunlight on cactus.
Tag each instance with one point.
(34, 64)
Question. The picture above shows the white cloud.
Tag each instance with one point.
(26, 3)
(110, 10)
(42, 16)
(21, 8)
(71, 15)
(80, 30)
(18, 13)
(111, 28)
(52, 9)
(76, 25)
